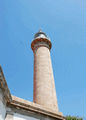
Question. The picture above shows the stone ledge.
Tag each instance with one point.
(19, 103)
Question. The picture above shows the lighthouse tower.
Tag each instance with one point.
(44, 86)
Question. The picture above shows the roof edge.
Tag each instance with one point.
(33, 107)
(4, 87)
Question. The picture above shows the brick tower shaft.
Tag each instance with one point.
(44, 87)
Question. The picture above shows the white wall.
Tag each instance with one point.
(22, 117)
(2, 107)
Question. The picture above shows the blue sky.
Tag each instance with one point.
(65, 23)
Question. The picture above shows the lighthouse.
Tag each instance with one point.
(44, 92)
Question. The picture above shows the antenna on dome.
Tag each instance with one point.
(40, 30)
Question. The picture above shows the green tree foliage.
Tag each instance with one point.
(73, 118)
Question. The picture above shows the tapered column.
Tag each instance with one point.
(44, 87)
